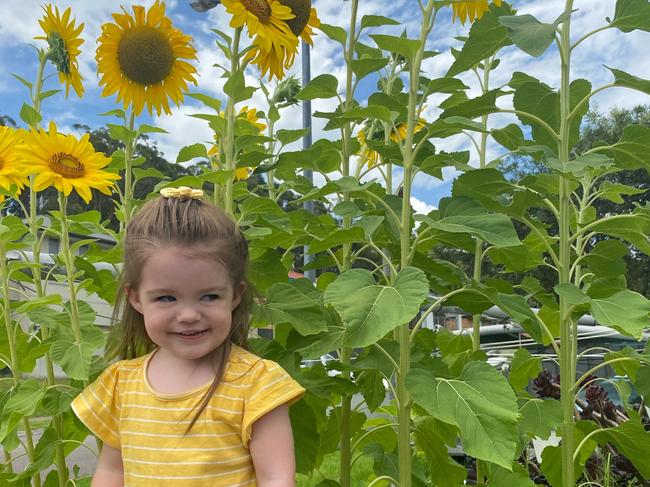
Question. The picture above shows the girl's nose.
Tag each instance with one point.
(188, 314)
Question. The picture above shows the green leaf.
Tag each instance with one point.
(336, 238)
(288, 303)
(307, 442)
(642, 382)
(523, 369)
(376, 21)
(46, 94)
(150, 172)
(371, 386)
(444, 471)
(630, 227)
(75, 357)
(486, 37)
(631, 15)
(369, 310)
(572, 294)
(626, 311)
(363, 67)
(29, 115)
(501, 477)
(191, 151)
(23, 81)
(267, 269)
(145, 129)
(22, 402)
(322, 86)
(621, 78)
(476, 107)
(118, 112)
(287, 136)
(529, 34)
(375, 111)
(480, 403)
(213, 103)
(446, 85)
(581, 165)
(540, 417)
(401, 45)
(606, 258)
(120, 132)
(510, 137)
(236, 87)
(335, 33)
(633, 150)
(631, 440)
(614, 191)
(539, 99)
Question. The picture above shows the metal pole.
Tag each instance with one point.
(306, 144)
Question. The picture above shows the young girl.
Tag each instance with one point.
(190, 406)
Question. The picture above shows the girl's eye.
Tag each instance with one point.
(166, 299)
(210, 297)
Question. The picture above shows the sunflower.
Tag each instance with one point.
(372, 157)
(140, 57)
(66, 163)
(276, 25)
(471, 10)
(249, 115)
(11, 171)
(63, 39)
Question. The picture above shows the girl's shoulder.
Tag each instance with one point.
(123, 368)
(242, 363)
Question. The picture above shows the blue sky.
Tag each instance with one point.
(19, 26)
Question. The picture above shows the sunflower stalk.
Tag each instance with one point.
(13, 355)
(567, 335)
(129, 149)
(404, 452)
(345, 353)
(229, 140)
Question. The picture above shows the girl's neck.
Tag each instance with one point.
(167, 374)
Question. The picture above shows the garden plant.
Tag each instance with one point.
(398, 393)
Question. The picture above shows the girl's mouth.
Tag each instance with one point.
(191, 334)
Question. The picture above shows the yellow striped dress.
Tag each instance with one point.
(149, 428)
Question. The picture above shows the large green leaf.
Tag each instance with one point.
(630, 227)
(631, 440)
(540, 417)
(463, 215)
(529, 34)
(401, 45)
(626, 311)
(486, 37)
(475, 107)
(22, 402)
(444, 471)
(370, 310)
(288, 303)
(75, 357)
(632, 151)
(304, 425)
(606, 258)
(621, 78)
(501, 477)
(632, 14)
(323, 86)
(542, 101)
(480, 403)
(523, 369)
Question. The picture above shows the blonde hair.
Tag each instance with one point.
(167, 222)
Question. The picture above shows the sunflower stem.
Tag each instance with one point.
(129, 149)
(567, 336)
(229, 142)
(69, 269)
(404, 452)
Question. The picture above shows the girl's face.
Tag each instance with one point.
(187, 301)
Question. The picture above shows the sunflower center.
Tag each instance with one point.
(67, 165)
(145, 55)
(301, 9)
(259, 8)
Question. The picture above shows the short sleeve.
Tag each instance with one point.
(97, 406)
(269, 386)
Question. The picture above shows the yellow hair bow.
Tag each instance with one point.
(182, 192)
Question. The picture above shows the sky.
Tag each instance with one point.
(20, 25)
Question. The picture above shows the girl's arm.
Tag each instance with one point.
(271, 447)
(110, 471)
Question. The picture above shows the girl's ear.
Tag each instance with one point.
(238, 293)
(133, 297)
